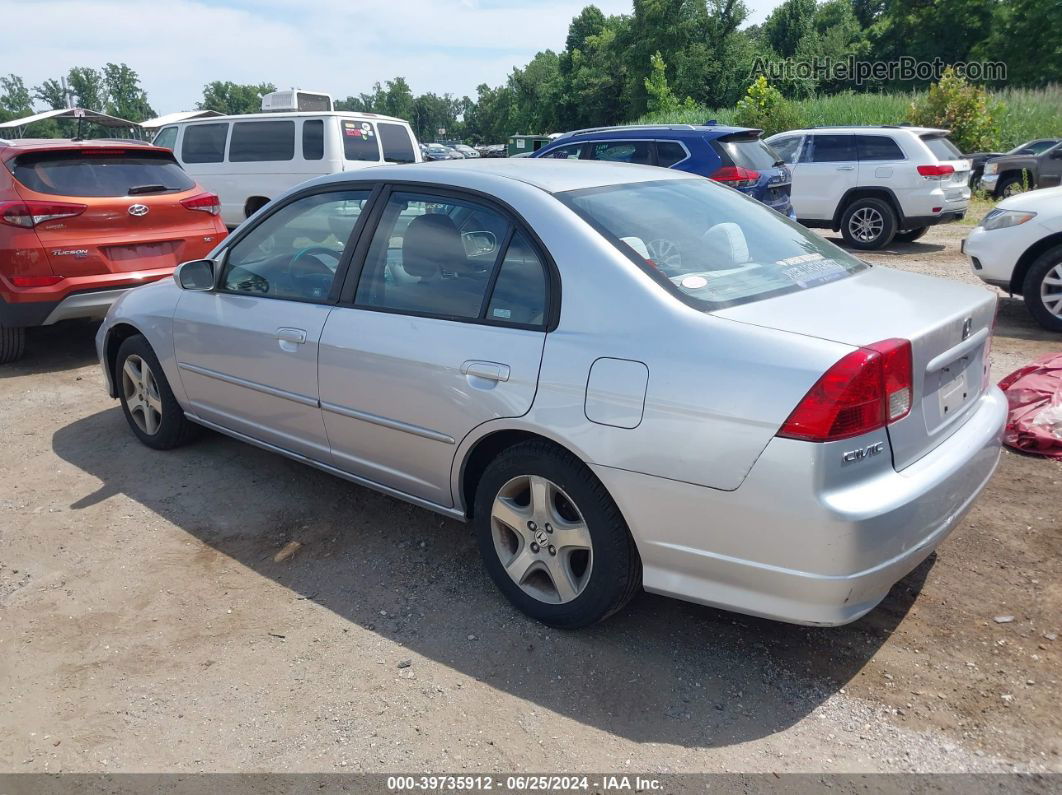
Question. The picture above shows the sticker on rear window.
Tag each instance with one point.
(810, 269)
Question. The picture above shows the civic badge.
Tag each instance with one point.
(967, 327)
(138, 210)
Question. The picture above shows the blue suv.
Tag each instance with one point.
(733, 156)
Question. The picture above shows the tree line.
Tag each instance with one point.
(664, 54)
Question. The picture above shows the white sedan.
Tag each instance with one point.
(1018, 247)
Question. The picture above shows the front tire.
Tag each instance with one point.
(153, 413)
(12, 344)
(1042, 289)
(552, 538)
(911, 235)
(868, 224)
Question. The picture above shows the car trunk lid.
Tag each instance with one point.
(948, 324)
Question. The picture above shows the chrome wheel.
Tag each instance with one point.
(141, 394)
(1013, 188)
(866, 224)
(541, 539)
(1051, 291)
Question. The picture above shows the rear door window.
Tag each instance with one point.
(396, 143)
(942, 148)
(751, 153)
(258, 141)
(668, 153)
(101, 173)
(313, 139)
(622, 152)
(832, 148)
(877, 147)
(204, 143)
(359, 140)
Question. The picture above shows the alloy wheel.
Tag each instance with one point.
(1051, 290)
(541, 539)
(141, 393)
(866, 224)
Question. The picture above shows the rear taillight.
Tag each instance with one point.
(28, 214)
(936, 172)
(204, 202)
(736, 176)
(866, 390)
(34, 281)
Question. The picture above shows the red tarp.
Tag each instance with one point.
(1034, 393)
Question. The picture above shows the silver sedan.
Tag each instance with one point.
(625, 377)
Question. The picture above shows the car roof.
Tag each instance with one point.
(18, 146)
(552, 176)
(677, 131)
(343, 114)
(855, 128)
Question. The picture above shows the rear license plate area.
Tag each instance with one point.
(143, 256)
(954, 390)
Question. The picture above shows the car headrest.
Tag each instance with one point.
(726, 245)
(432, 243)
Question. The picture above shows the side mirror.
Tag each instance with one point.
(1057, 154)
(195, 275)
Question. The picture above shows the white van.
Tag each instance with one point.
(249, 159)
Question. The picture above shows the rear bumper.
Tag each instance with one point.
(76, 297)
(783, 547)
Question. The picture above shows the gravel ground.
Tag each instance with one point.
(145, 626)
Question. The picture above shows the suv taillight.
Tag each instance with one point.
(936, 172)
(736, 176)
(204, 202)
(28, 214)
(866, 390)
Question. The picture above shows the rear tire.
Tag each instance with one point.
(153, 413)
(1042, 289)
(12, 344)
(868, 224)
(911, 235)
(541, 514)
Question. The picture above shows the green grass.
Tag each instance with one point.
(1025, 113)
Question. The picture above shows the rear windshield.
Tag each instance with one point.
(359, 140)
(708, 245)
(100, 173)
(749, 153)
(943, 149)
(397, 146)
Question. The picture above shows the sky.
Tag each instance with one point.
(341, 47)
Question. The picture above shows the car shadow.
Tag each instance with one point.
(895, 248)
(51, 349)
(1014, 320)
(659, 671)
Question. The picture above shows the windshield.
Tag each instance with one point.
(101, 172)
(1036, 147)
(708, 244)
(750, 153)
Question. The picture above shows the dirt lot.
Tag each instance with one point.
(144, 625)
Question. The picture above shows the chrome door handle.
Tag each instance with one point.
(846, 168)
(296, 335)
(492, 371)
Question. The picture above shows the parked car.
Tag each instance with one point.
(734, 156)
(492, 150)
(875, 184)
(1036, 166)
(465, 151)
(83, 221)
(440, 152)
(252, 158)
(751, 419)
(1018, 247)
(979, 159)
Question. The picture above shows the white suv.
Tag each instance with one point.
(1018, 247)
(875, 184)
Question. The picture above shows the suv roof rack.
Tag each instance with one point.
(859, 126)
(616, 127)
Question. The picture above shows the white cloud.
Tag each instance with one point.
(339, 46)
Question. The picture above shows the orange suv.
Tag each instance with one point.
(83, 221)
